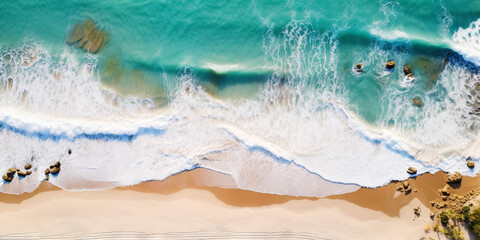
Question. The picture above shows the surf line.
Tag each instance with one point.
(47, 134)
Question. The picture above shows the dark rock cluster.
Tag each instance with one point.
(10, 174)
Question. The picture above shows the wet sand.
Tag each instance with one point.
(179, 208)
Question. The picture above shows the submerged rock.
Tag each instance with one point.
(454, 178)
(390, 65)
(417, 102)
(411, 170)
(87, 36)
(76, 34)
(92, 40)
(88, 28)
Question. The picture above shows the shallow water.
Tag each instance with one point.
(264, 91)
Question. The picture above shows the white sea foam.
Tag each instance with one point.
(298, 138)
(467, 42)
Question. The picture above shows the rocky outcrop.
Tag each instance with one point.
(390, 65)
(87, 36)
(412, 170)
(454, 177)
(417, 102)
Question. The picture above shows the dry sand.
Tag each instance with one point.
(178, 208)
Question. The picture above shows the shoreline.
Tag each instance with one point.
(181, 205)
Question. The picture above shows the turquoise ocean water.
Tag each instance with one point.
(266, 92)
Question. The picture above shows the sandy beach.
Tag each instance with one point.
(178, 208)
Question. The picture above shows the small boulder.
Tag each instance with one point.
(359, 67)
(57, 165)
(69, 151)
(406, 184)
(7, 178)
(417, 211)
(432, 215)
(411, 170)
(471, 164)
(406, 70)
(399, 187)
(454, 178)
(28, 172)
(445, 191)
(54, 170)
(28, 166)
(21, 174)
(47, 171)
(410, 75)
(390, 65)
(11, 172)
(417, 102)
